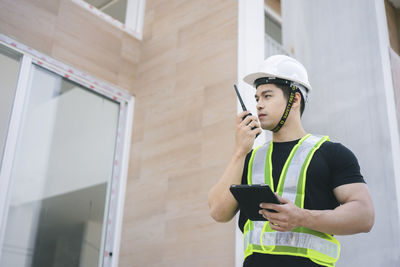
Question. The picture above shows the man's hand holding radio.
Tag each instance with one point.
(246, 131)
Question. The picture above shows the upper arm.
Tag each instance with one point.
(350, 188)
(353, 192)
(360, 203)
(347, 182)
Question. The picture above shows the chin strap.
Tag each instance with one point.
(289, 104)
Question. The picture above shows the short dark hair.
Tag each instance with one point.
(286, 92)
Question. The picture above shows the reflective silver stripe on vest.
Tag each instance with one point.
(293, 239)
(246, 240)
(293, 172)
(258, 171)
(253, 236)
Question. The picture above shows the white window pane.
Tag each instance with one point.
(273, 29)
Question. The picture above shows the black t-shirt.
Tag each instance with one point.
(332, 165)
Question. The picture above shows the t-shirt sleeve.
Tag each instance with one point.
(344, 167)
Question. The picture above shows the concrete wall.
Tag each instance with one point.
(339, 44)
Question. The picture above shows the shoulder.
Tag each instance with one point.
(342, 163)
(337, 150)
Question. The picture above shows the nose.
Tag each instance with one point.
(259, 106)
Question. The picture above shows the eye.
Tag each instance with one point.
(267, 96)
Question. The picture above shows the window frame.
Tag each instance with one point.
(274, 18)
(251, 50)
(133, 24)
(111, 235)
(273, 15)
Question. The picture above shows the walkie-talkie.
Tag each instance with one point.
(243, 106)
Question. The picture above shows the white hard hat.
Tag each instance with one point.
(283, 67)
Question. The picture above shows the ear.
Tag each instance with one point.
(297, 101)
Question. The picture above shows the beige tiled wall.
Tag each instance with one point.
(393, 24)
(182, 75)
(183, 135)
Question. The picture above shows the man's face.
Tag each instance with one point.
(271, 104)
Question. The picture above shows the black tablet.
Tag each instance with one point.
(250, 197)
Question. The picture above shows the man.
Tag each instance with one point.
(318, 182)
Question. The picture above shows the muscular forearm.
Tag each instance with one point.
(223, 205)
(350, 218)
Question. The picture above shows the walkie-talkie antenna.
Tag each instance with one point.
(240, 98)
(243, 106)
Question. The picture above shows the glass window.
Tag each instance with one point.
(114, 8)
(273, 29)
(61, 175)
(9, 66)
(128, 12)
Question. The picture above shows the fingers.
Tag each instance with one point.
(241, 115)
(281, 199)
(270, 206)
(246, 132)
(253, 124)
(276, 221)
(247, 120)
(272, 216)
(276, 207)
(257, 130)
(253, 129)
(277, 227)
(250, 122)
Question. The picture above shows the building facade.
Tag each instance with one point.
(181, 70)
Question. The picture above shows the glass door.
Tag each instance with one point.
(61, 175)
(9, 66)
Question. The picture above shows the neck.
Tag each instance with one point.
(291, 130)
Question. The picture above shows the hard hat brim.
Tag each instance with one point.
(251, 78)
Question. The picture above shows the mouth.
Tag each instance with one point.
(261, 115)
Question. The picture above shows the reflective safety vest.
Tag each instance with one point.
(319, 247)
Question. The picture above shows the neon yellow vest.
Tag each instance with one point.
(258, 236)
